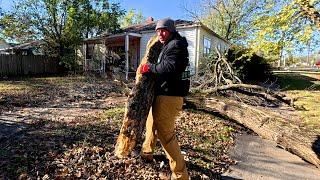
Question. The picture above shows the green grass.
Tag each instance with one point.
(24, 83)
(13, 86)
(310, 107)
(115, 114)
(28, 84)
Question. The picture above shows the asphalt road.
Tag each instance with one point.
(262, 159)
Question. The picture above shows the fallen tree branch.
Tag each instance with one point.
(239, 87)
(266, 122)
(217, 72)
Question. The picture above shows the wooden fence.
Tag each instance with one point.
(19, 65)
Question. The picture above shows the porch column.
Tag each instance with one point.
(85, 57)
(104, 56)
(127, 55)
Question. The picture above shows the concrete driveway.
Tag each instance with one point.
(262, 159)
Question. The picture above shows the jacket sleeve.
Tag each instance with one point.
(172, 61)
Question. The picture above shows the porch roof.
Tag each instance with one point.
(138, 29)
(113, 37)
(151, 26)
(25, 46)
(134, 31)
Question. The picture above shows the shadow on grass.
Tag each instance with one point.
(295, 81)
(212, 157)
(32, 148)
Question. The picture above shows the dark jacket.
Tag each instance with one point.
(172, 77)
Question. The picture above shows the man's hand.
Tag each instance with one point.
(145, 68)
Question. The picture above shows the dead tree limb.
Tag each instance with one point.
(138, 105)
(216, 72)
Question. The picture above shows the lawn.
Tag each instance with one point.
(66, 127)
(305, 88)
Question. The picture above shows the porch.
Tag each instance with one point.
(118, 53)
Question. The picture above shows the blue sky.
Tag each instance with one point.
(157, 9)
(5, 4)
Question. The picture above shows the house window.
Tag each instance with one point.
(206, 46)
(219, 48)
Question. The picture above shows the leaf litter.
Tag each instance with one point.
(70, 127)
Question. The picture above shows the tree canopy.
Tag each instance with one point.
(61, 24)
(230, 18)
(282, 27)
(132, 17)
(269, 27)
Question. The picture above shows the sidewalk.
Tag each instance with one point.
(261, 159)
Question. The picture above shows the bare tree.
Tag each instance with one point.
(231, 19)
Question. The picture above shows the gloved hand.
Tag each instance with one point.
(144, 68)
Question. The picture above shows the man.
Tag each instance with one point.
(171, 84)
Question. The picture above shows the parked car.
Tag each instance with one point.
(318, 63)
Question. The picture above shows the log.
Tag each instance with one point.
(138, 105)
(279, 125)
(267, 93)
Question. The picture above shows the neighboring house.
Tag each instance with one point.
(3, 46)
(130, 45)
(29, 48)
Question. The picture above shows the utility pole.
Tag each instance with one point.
(308, 57)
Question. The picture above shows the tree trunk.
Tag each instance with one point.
(279, 125)
(138, 105)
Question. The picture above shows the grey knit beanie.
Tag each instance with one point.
(167, 24)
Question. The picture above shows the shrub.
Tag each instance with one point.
(248, 66)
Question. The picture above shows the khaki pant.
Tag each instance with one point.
(160, 124)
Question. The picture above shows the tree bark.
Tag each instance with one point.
(138, 105)
(266, 93)
(279, 125)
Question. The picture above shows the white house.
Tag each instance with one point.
(129, 45)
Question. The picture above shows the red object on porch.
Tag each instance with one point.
(318, 63)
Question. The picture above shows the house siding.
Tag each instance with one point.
(189, 33)
(143, 43)
(194, 33)
(215, 42)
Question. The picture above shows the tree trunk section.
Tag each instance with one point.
(138, 105)
(277, 124)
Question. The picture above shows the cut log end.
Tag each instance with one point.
(124, 146)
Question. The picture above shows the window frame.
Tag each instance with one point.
(207, 44)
